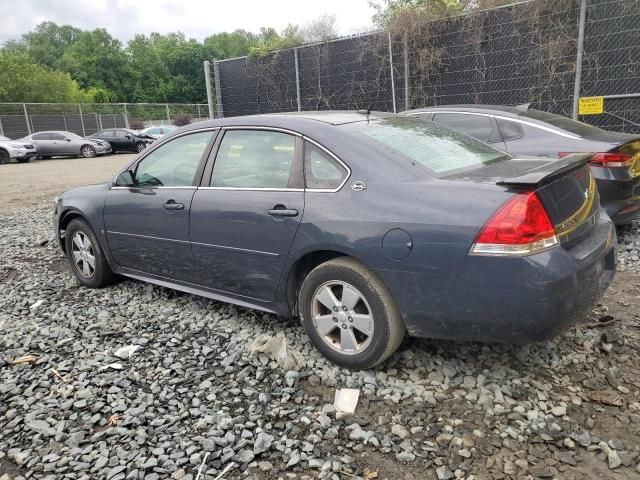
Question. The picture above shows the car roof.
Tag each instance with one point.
(295, 119)
(507, 111)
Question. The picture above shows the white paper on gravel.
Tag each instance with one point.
(277, 349)
(345, 402)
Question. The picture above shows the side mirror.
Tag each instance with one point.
(125, 179)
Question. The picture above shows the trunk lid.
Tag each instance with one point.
(631, 147)
(565, 187)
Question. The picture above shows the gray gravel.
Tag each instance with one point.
(192, 396)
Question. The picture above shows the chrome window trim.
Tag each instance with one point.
(153, 187)
(261, 127)
(517, 120)
(335, 157)
(257, 189)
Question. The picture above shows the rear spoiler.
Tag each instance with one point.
(547, 172)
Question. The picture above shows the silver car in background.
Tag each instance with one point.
(157, 131)
(16, 149)
(58, 143)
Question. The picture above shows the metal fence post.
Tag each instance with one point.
(207, 83)
(1, 130)
(198, 109)
(393, 82)
(126, 115)
(99, 121)
(168, 114)
(405, 43)
(84, 133)
(295, 57)
(216, 76)
(579, 55)
(26, 117)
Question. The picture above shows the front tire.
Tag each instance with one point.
(140, 146)
(349, 314)
(87, 260)
(4, 157)
(87, 151)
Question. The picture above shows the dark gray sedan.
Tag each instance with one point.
(526, 132)
(366, 226)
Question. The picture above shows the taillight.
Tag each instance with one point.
(520, 227)
(611, 160)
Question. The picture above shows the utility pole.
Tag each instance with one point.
(207, 82)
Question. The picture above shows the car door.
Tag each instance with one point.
(247, 211)
(147, 221)
(43, 143)
(126, 140)
(480, 126)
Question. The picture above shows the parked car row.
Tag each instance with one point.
(364, 225)
(54, 143)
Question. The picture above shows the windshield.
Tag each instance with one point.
(436, 147)
(558, 121)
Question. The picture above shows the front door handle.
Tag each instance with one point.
(172, 205)
(282, 211)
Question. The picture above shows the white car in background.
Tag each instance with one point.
(15, 149)
(157, 131)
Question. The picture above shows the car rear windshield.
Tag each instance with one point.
(564, 123)
(438, 148)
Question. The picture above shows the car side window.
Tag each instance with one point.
(120, 133)
(254, 159)
(56, 136)
(476, 126)
(510, 130)
(40, 136)
(320, 169)
(174, 164)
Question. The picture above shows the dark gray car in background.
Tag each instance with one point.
(364, 226)
(61, 144)
(525, 132)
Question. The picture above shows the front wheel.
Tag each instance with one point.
(349, 314)
(140, 146)
(87, 151)
(86, 258)
(4, 157)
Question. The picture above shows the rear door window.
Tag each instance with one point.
(476, 126)
(510, 130)
(254, 159)
(321, 171)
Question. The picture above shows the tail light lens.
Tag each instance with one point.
(606, 159)
(611, 160)
(520, 227)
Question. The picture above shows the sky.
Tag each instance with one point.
(195, 18)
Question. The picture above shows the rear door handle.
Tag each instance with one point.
(282, 211)
(172, 205)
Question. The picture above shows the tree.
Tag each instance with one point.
(48, 42)
(97, 59)
(23, 80)
(322, 29)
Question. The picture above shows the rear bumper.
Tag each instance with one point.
(509, 300)
(619, 193)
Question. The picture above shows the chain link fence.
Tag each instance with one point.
(18, 120)
(522, 53)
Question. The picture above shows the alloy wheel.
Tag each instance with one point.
(342, 317)
(88, 151)
(140, 147)
(83, 254)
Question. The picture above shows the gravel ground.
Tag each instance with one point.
(193, 399)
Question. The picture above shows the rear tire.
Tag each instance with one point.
(367, 328)
(86, 257)
(4, 157)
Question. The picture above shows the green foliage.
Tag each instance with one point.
(96, 67)
(23, 80)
